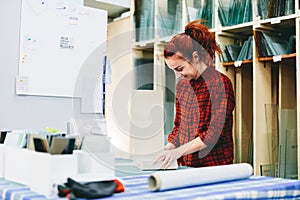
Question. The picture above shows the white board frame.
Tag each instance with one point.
(60, 42)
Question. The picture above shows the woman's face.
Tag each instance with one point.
(182, 67)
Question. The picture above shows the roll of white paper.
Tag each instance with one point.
(164, 180)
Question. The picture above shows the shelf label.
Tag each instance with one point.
(167, 39)
(218, 28)
(238, 63)
(277, 58)
(275, 21)
(143, 43)
(256, 22)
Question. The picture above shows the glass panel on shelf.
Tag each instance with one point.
(200, 9)
(287, 158)
(169, 17)
(271, 114)
(270, 9)
(233, 12)
(235, 52)
(274, 43)
(144, 20)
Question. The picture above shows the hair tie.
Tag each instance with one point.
(188, 31)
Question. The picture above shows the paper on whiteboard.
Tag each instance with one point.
(21, 84)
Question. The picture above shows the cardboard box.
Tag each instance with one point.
(40, 171)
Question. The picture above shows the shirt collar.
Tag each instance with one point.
(206, 75)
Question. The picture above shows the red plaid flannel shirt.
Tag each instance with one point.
(204, 109)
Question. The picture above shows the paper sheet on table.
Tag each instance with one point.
(147, 164)
(164, 180)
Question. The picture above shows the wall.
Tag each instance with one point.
(26, 112)
(119, 91)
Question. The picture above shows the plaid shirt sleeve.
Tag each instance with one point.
(222, 105)
(173, 136)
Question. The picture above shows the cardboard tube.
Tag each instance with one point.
(165, 180)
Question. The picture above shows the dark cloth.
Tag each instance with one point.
(204, 108)
(89, 190)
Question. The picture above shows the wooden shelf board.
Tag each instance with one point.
(284, 21)
(292, 55)
(144, 44)
(239, 28)
(232, 63)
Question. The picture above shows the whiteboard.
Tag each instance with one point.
(62, 45)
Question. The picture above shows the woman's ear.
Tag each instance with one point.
(195, 56)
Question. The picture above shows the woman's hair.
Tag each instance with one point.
(196, 37)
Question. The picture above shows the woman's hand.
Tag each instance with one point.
(167, 157)
(172, 153)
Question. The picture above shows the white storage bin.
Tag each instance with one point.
(40, 171)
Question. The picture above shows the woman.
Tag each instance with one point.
(202, 133)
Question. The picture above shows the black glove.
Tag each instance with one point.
(91, 190)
